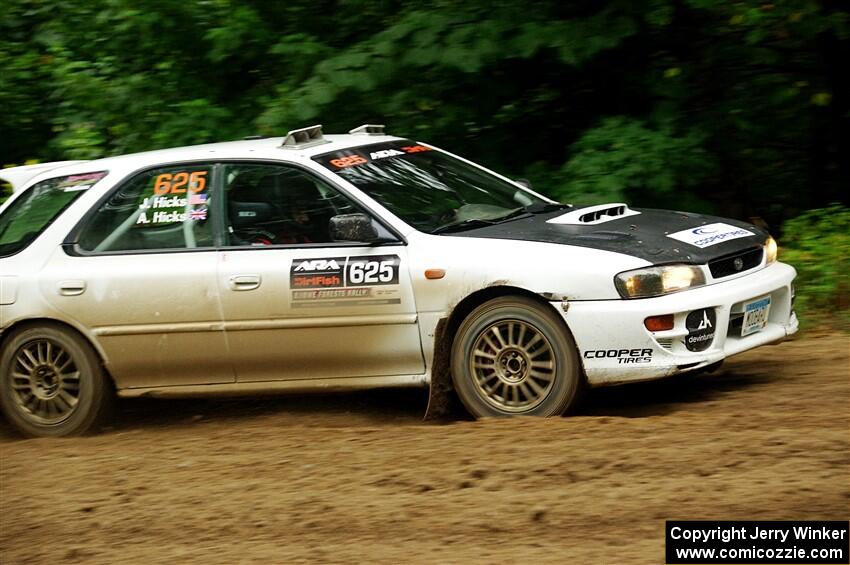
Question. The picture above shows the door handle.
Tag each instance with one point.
(245, 282)
(72, 288)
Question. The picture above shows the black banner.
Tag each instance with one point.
(747, 542)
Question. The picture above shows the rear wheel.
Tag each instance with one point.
(52, 383)
(513, 356)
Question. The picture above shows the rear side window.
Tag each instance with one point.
(161, 209)
(38, 207)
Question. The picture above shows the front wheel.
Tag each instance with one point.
(52, 383)
(512, 356)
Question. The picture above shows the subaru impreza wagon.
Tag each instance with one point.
(315, 262)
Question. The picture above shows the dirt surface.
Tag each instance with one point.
(359, 477)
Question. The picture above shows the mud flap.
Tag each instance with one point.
(443, 403)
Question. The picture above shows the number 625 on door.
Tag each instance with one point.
(372, 270)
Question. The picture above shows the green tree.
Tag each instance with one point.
(740, 108)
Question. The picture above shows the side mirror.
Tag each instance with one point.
(353, 227)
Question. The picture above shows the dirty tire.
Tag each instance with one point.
(513, 356)
(52, 383)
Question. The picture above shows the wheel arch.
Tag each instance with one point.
(469, 303)
(44, 321)
(442, 401)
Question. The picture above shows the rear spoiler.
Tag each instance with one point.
(18, 177)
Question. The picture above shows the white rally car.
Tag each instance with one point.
(316, 262)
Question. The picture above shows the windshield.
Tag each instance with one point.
(429, 189)
(29, 214)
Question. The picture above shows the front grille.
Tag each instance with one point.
(737, 263)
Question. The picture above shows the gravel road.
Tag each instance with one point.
(361, 478)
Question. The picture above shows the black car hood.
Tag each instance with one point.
(644, 235)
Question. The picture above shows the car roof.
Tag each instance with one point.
(268, 147)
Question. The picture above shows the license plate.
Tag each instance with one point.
(755, 315)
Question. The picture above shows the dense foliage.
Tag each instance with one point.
(740, 108)
(737, 107)
(818, 245)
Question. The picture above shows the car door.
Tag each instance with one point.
(298, 305)
(140, 272)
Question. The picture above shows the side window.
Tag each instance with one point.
(165, 208)
(38, 206)
(279, 205)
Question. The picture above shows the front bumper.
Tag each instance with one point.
(615, 346)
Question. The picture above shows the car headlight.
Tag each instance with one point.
(655, 281)
(771, 250)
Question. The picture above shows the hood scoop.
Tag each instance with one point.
(592, 215)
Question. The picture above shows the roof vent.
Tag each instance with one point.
(594, 214)
(304, 137)
(368, 129)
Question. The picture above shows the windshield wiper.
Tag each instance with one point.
(543, 207)
(524, 212)
(463, 225)
(512, 215)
